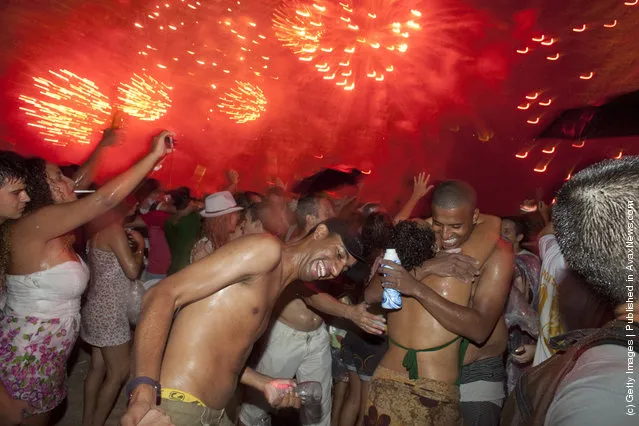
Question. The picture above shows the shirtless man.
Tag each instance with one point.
(437, 313)
(298, 343)
(226, 300)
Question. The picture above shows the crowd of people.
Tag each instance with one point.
(249, 297)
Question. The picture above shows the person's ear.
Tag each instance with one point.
(320, 232)
(475, 216)
(520, 237)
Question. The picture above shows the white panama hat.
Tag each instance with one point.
(219, 204)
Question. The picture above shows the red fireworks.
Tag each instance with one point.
(348, 43)
(144, 97)
(243, 103)
(211, 44)
(66, 108)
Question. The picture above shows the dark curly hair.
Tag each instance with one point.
(37, 184)
(414, 243)
(377, 232)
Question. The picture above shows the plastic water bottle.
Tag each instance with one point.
(391, 298)
(309, 392)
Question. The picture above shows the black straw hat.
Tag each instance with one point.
(350, 236)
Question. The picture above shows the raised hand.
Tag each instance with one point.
(528, 206)
(159, 147)
(233, 176)
(280, 183)
(109, 137)
(420, 185)
(544, 211)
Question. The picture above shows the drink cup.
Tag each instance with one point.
(309, 392)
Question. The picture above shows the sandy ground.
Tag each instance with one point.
(73, 413)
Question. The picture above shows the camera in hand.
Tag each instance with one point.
(169, 142)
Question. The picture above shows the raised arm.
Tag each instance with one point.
(234, 179)
(232, 263)
(420, 189)
(86, 173)
(52, 221)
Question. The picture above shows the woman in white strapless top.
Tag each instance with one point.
(40, 323)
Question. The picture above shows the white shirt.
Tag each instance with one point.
(595, 391)
(553, 271)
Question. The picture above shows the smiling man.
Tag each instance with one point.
(226, 301)
(430, 334)
(482, 378)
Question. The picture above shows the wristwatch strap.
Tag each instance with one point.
(144, 380)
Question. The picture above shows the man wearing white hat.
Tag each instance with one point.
(220, 220)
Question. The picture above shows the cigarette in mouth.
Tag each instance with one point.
(84, 191)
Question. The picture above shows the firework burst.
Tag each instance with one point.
(347, 42)
(67, 108)
(243, 103)
(207, 44)
(144, 97)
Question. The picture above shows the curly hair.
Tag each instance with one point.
(377, 232)
(37, 184)
(414, 243)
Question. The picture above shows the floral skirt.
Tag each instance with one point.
(33, 356)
